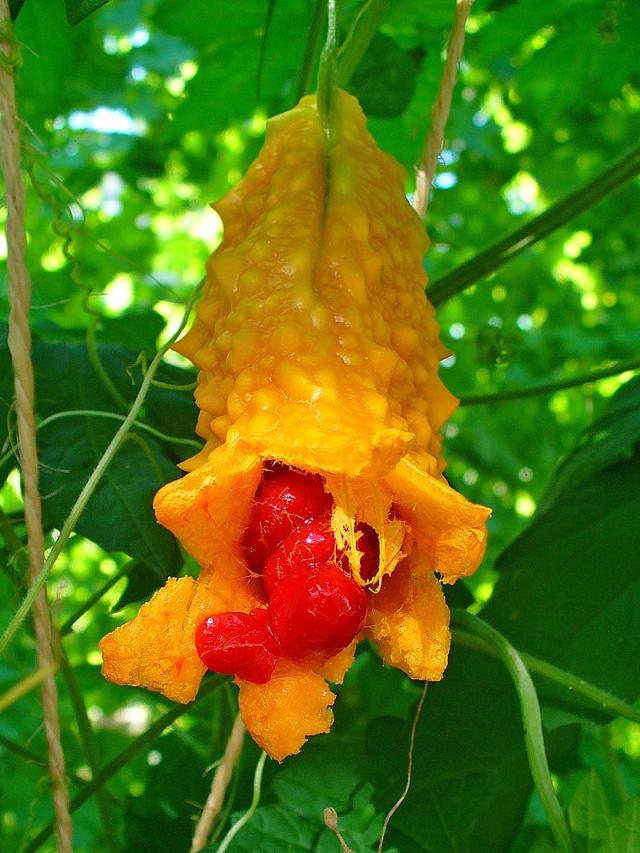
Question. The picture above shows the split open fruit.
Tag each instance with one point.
(318, 357)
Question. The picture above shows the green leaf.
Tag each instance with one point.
(162, 819)
(470, 777)
(42, 82)
(623, 833)
(14, 8)
(589, 814)
(327, 774)
(119, 517)
(572, 579)
(78, 10)
(142, 581)
(274, 827)
(608, 440)
(385, 79)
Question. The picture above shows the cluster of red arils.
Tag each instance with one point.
(314, 604)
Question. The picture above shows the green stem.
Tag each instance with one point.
(122, 758)
(271, 5)
(67, 626)
(96, 413)
(571, 682)
(90, 486)
(14, 547)
(157, 383)
(550, 387)
(21, 750)
(87, 740)
(554, 217)
(311, 49)
(246, 817)
(364, 27)
(532, 721)
(94, 359)
(327, 70)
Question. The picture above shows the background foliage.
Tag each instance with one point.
(135, 118)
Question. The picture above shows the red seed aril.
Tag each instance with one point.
(317, 609)
(369, 546)
(313, 544)
(285, 500)
(310, 545)
(241, 644)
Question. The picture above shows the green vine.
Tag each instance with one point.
(123, 758)
(310, 51)
(559, 214)
(246, 817)
(601, 698)
(532, 721)
(91, 484)
(327, 71)
(550, 387)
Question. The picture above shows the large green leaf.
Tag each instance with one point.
(328, 774)
(119, 516)
(589, 814)
(623, 832)
(609, 439)
(385, 79)
(572, 579)
(78, 10)
(598, 827)
(470, 777)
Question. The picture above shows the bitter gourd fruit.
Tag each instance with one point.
(316, 348)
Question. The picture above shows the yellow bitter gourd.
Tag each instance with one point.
(316, 347)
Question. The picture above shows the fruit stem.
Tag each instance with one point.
(327, 70)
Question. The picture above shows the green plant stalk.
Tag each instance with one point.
(95, 413)
(123, 758)
(22, 751)
(14, 547)
(246, 817)
(559, 676)
(157, 383)
(91, 484)
(554, 217)
(67, 625)
(549, 387)
(532, 721)
(96, 363)
(87, 740)
(24, 686)
(327, 84)
(364, 27)
(271, 5)
(311, 48)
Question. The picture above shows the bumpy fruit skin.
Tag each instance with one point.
(317, 348)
